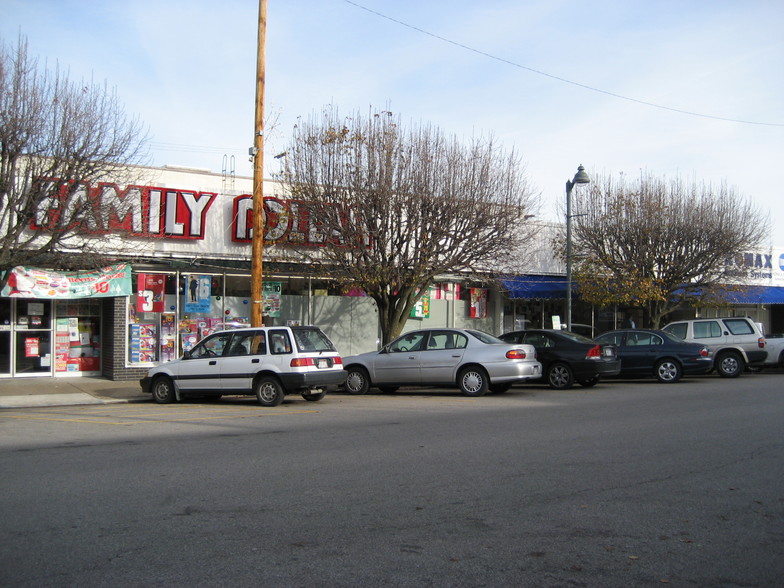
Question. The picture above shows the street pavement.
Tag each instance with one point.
(26, 392)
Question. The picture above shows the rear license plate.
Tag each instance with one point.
(323, 363)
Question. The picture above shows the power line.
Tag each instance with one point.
(192, 148)
(560, 79)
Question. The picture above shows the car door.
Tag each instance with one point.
(546, 352)
(637, 353)
(201, 369)
(442, 356)
(243, 358)
(399, 362)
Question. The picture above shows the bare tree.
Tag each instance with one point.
(395, 207)
(658, 244)
(56, 136)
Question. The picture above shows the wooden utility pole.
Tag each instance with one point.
(257, 242)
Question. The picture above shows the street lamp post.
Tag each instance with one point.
(579, 178)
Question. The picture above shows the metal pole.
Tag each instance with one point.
(257, 242)
(569, 186)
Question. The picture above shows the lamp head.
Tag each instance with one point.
(581, 177)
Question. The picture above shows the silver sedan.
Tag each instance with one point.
(471, 360)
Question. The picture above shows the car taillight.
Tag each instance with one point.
(704, 352)
(302, 362)
(761, 342)
(594, 352)
(515, 354)
(337, 361)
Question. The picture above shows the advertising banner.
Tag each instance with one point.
(29, 282)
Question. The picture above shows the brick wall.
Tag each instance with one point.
(114, 334)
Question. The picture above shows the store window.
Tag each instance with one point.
(77, 336)
(152, 327)
(170, 313)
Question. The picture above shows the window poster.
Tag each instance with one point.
(150, 290)
(32, 347)
(197, 293)
(478, 303)
(421, 308)
(270, 292)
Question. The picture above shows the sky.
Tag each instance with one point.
(673, 88)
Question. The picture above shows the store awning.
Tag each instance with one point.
(757, 295)
(536, 287)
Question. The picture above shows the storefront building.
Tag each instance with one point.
(182, 241)
(537, 299)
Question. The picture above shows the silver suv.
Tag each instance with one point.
(736, 342)
(269, 362)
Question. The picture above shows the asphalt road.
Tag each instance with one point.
(624, 484)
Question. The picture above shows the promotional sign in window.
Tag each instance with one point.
(270, 292)
(478, 303)
(421, 308)
(32, 346)
(150, 289)
(198, 292)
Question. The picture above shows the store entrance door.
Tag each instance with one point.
(5, 336)
(33, 338)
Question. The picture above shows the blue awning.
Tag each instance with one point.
(757, 295)
(536, 287)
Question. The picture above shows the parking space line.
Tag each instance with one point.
(148, 417)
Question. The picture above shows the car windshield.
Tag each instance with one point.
(485, 338)
(309, 340)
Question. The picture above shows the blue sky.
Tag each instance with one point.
(538, 75)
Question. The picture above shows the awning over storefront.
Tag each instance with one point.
(536, 287)
(758, 295)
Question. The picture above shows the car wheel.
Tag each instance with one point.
(729, 365)
(163, 390)
(388, 389)
(590, 383)
(358, 380)
(560, 376)
(473, 381)
(268, 391)
(314, 397)
(668, 371)
(499, 388)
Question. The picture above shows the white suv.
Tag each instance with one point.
(736, 343)
(269, 362)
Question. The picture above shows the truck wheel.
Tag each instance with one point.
(729, 364)
(268, 391)
(163, 390)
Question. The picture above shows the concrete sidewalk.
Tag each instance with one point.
(47, 391)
